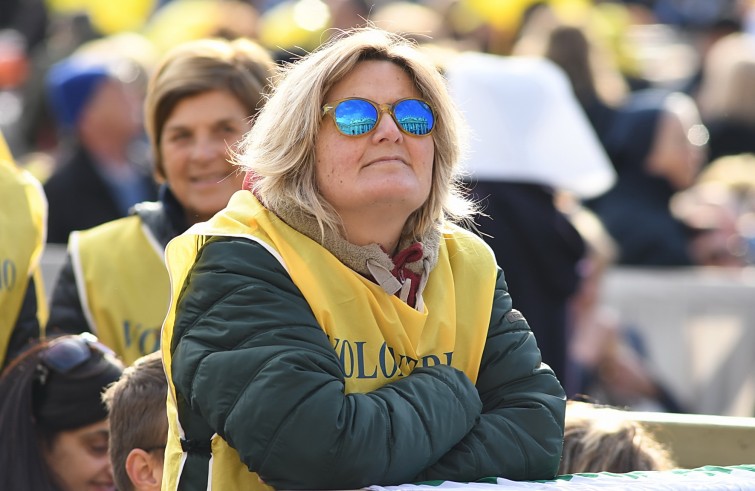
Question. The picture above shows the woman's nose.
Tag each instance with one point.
(387, 129)
(205, 148)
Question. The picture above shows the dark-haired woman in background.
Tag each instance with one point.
(656, 146)
(52, 418)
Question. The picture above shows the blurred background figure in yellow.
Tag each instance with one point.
(23, 212)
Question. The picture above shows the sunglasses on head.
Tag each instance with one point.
(356, 116)
(67, 353)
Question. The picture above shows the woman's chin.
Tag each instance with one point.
(395, 200)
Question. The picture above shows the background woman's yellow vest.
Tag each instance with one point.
(391, 338)
(23, 219)
(124, 286)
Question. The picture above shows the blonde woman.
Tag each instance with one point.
(199, 103)
(332, 328)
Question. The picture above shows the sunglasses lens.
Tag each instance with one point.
(66, 354)
(355, 117)
(414, 116)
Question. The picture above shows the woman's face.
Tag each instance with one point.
(673, 156)
(79, 459)
(195, 143)
(115, 109)
(385, 171)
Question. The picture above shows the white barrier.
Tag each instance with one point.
(711, 478)
(699, 328)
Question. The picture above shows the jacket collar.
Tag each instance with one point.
(165, 218)
(414, 260)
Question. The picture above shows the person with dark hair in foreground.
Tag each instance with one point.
(52, 418)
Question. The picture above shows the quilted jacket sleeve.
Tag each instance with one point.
(520, 433)
(66, 313)
(251, 360)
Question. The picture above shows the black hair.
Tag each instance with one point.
(36, 404)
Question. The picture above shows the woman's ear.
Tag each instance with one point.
(144, 470)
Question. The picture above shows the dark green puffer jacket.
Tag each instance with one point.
(251, 361)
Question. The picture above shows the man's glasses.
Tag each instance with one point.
(356, 116)
(67, 353)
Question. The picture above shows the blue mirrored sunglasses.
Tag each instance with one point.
(66, 353)
(356, 116)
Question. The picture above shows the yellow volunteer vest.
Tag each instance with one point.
(23, 222)
(123, 285)
(392, 338)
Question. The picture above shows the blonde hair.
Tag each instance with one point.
(604, 439)
(241, 67)
(280, 148)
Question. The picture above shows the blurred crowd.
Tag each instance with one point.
(656, 168)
